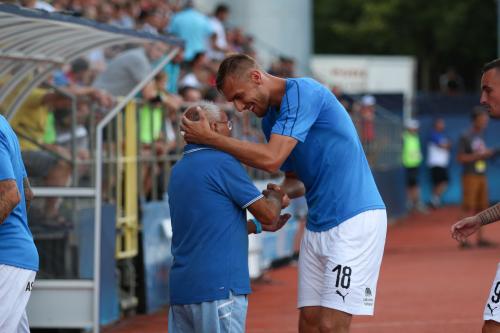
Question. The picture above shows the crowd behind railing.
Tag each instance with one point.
(56, 124)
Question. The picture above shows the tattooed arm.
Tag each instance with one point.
(469, 225)
(9, 198)
(490, 215)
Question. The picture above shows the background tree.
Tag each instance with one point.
(439, 33)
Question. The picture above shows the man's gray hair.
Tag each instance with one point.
(212, 110)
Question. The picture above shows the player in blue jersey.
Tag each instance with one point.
(18, 254)
(313, 140)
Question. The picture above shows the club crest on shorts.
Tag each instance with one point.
(368, 299)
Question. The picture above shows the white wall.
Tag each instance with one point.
(368, 74)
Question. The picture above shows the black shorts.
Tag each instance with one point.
(439, 175)
(411, 177)
(38, 163)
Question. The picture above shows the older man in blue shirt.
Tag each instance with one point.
(209, 193)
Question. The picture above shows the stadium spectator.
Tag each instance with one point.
(77, 82)
(45, 161)
(199, 74)
(450, 82)
(156, 133)
(128, 69)
(218, 45)
(438, 159)
(490, 98)
(192, 26)
(473, 155)
(190, 94)
(412, 159)
(209, 279)
(18, 254)
(38, 4)
(149, 21)
(239, 42)
(78, 73)
(343, 98)
(312, 139)
(173, 71)
(65, 135)
(284, 67)
(367, 125)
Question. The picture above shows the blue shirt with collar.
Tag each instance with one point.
(16, 241)
(208, 193)
(328, 158)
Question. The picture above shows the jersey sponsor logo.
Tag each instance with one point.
(340, 294)
(368, 292)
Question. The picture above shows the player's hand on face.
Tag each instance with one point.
(282, 220)
(196, 131)
(465, 227)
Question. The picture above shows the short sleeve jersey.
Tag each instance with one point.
(16, 241)
(328, 158)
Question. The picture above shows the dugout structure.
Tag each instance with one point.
(33, 44)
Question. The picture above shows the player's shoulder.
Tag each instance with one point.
(305, 87)
(5, 129)
(304, 82)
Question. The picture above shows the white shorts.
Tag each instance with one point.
(492, 308)
(15, 290)
(339, 268)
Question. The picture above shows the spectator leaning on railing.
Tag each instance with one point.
(129, 68)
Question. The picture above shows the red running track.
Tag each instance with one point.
(426, 285)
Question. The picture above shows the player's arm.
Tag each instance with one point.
(465, 157)
(490, 215)
(473, 157)
(292, 186)
(9, 193)
(9, 198)
(266, 156)
(28, 193)
(469, 225)
(267, 211)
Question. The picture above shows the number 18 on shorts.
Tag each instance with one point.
(339, 268)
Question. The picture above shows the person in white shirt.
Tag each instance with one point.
(218, 45)
(438, 159)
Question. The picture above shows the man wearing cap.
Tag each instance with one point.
(367, 113)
